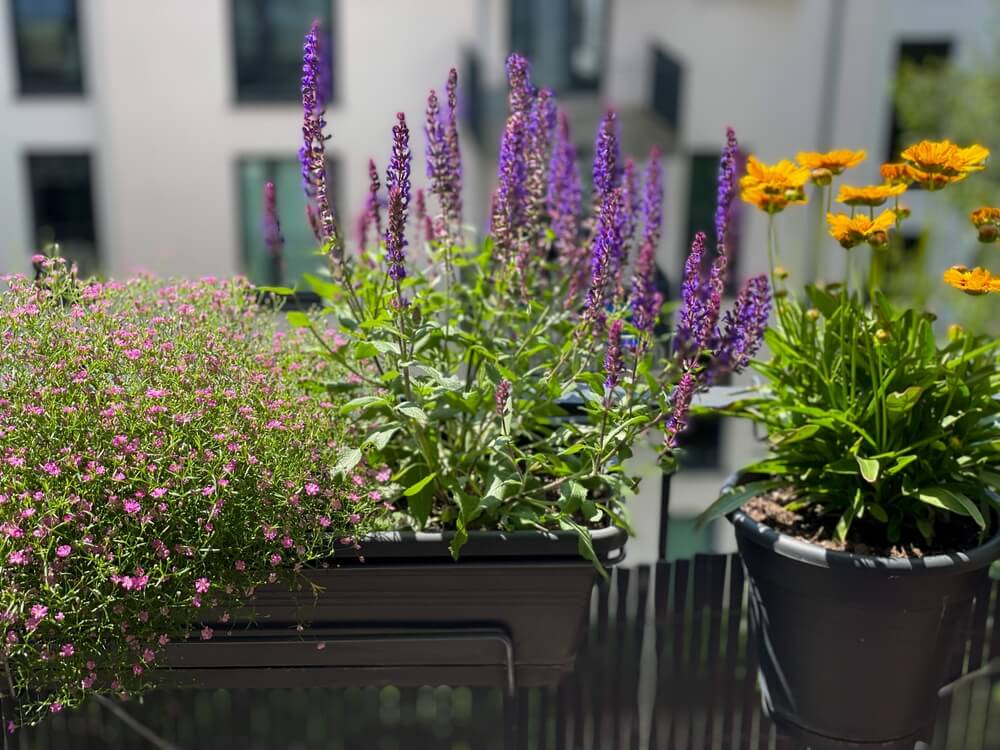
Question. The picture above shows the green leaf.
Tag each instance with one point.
(900, 402)
(878, 512)
(414, 412)
(573, 494)
(297, 319)
(459, 539)
(844, 524)
(346, 461)
(901, 463)
(869, 468)
(416, 487)
(804, 432)
(734, 499)
(952, 500)
(322, 287)
(379, 438)
(283, 291)
(362, 402)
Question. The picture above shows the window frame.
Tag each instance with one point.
(77, 89)
(294, 96)
(29, 180)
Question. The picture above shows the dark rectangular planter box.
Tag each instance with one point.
(510, 612)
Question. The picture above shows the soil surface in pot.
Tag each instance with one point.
(867, 537)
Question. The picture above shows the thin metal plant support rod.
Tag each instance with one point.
(135, 725)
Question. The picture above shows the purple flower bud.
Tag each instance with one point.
(607, 158)
(520, 91)
(273, 239)
(613, 364)
(633, 200)
(502, 396)
(564, 197)
(374, 206)
(680, 404)
(743, 328)
(453, 209)
(444, 162)
(312, 153)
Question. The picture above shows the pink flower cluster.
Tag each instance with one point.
(158, 457)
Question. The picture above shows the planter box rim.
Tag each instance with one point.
(608, 542)
(813, 554)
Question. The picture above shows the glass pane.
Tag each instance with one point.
(46, 33)
(299, 255)
(268, 43)
(63, 207)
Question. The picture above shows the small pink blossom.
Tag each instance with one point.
(63, 550)
(67, 650)
(207, 633)
(202, 585)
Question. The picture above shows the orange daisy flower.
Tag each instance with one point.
(772, 203)
(873, 195)
(935, 164)
(895, 173)
(836, 161)
(851, 231)
(975, 282)
(771, 187)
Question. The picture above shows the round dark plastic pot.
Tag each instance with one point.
(853, 648)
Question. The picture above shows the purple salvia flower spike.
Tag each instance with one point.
(538, 147)
(633, 200)
(312, 153)
(435, 153)
(743, 328)
(564, 201)
(374, 206)
(273, 239)
(502, 396)
(510, 188)
(395, 235)
(613, 363)
(607, 158)
(695, 321)
(398, 172)
(680, 404)
(652, 199)
(425, 227)
(452, 206)
(726, 189)
(606, 245)
(520, 91)
(645, 308)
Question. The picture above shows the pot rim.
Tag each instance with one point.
(812, 554)
(609, 543)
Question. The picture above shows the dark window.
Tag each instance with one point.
(268, 42)
(564, 39)
(700, 443)
(299, 254)
(668, 79)
(47, 39)
(62, 203)
(927, 52)
(702, 196)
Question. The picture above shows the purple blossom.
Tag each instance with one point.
(633, 199)
(312, 153)
(652, 200)
(606, 245)
(510, 187)
(743, 328)
(398, 172)
(520, 90)
(680, 404)
(607, 158)
(613, 364)
(444, 162)
(273, 239)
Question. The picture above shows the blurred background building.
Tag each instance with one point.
(139, 133)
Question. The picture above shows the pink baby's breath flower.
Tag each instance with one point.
(202, 585)
(131, 507)
(207, 633)
(240, 565)
(63, 550)
(51, 469)
(56, 707)
(324, 521)
(148, 655)
(67, 650)
(133, 354)
(158, 492)
(275, 559)
(312, 489)
(19, 557)
(384, 475)
(157, 393)
(38, 611)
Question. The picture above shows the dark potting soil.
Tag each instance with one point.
(812, 524)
